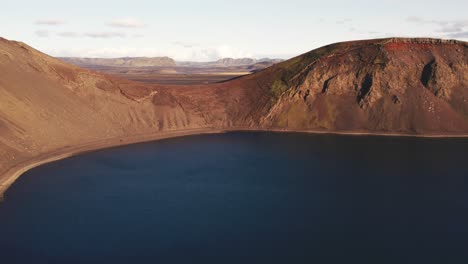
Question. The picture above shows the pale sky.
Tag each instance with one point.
(211, 29)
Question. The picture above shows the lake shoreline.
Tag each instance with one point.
(14, 172)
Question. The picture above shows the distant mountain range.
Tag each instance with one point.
(230, 62)
(121, 62)
(166, 62)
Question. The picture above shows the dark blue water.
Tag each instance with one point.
(245, 198)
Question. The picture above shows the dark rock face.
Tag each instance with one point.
(428, 73)
(365, 90)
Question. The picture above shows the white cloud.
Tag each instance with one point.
(463, 35)
(199, 53)
(185, 44)
(42, 33)
(455, 27)
(344, 21)
(176, 52)
(226, 51)
(450, 28)
(128, 22)
(415, 19)
(68, 34)
(49, 22)
(105, 35)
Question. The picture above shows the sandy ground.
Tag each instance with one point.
(11, 175)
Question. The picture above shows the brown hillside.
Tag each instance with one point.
(407, 86)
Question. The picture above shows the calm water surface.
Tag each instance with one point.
(245, 198)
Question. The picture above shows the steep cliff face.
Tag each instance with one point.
(390, 85)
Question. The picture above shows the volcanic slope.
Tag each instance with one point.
(410, 86)
(397, 86)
